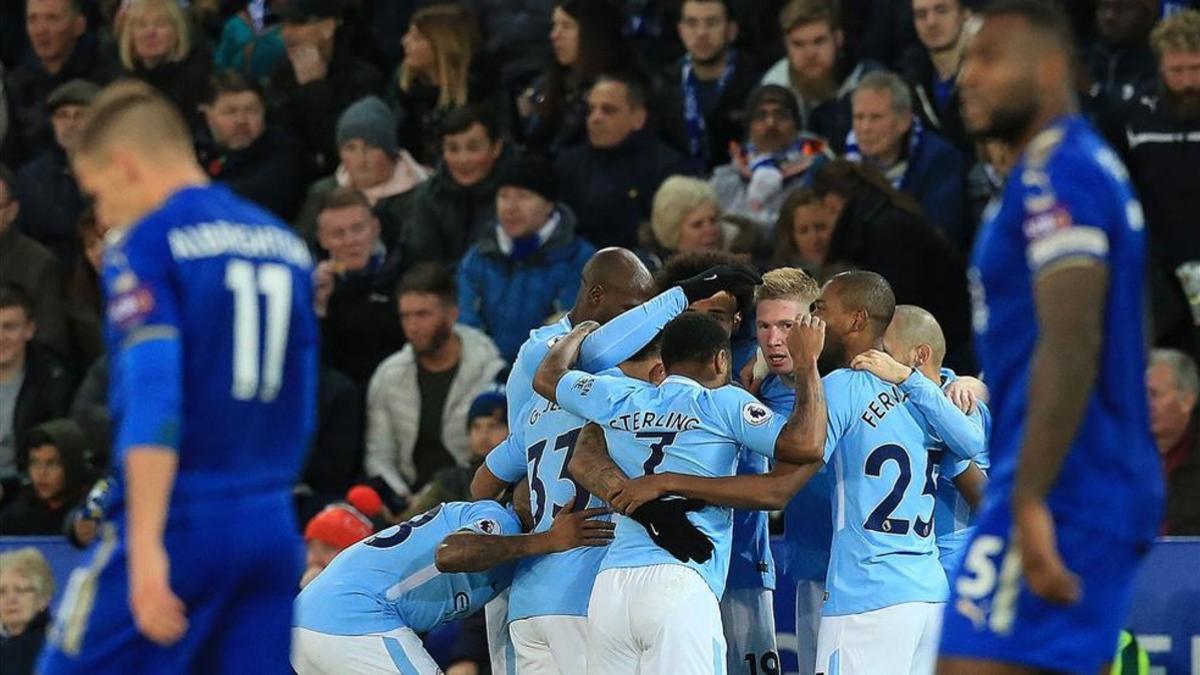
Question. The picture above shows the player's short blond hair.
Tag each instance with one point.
(133, 114)
(787, 283)
(1178, 33)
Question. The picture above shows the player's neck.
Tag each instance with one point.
(168, 180)
(933, 372)
(1053, 109)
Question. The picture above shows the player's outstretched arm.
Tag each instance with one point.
(1070, 301)
(474, 552)
(767, 492)
(802, 440)
(559, 359)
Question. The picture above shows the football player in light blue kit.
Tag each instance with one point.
(915, 342)
(363, 613)
(1075, 490)
(615, 292)
(885, 587)
(650, 611)
(548, 600)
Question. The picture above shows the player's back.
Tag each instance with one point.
(519, 386)
(389, 580)
(883, 550)
(683, 427)
(1070, 197)
(234, 284)
(539, 448)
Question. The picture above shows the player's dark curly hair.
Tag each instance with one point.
(687, 265)
(694, 337)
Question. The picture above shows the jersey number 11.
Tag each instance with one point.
(254, 376)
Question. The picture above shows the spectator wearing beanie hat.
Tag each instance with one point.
(372, 162)
(335, 528)
(487, 427)
(527, 270)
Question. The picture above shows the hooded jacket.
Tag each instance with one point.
(30, 515)
(394, 408)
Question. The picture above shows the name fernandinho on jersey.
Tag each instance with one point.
(882, 405)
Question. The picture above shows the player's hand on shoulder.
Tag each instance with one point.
(966, 393)
(633, 493)
(572, 529)
(1045, 571)
(881, 365)
(806, 339)
(157, 611)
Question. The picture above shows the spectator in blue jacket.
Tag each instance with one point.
(527, 269)
(915, 160)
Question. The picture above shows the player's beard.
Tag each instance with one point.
(1012, 116)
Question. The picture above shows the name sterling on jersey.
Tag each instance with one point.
(644, 419)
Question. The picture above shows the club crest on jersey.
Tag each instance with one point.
(488, 526)
(584, 385)
(756, 413)
(130, 308)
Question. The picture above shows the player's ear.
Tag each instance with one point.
(924, 354)
(658, 373)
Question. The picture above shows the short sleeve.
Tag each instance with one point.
(593, 397)
(748, 421)
(837, 411)
(507, 460)
(489, 517)
(1062, 217)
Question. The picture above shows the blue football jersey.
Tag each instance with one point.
(681, 427)
(212, 345)
(1069, 197)
(751, 564)
(609, 346)
(883, 550)
(539, 448)
(808, 517)
(389, 580)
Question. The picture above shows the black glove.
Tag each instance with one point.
(666, 521)
(713, 280)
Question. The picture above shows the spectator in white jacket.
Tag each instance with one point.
(418, 399)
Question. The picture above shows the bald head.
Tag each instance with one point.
(915, 338)
(613, 280)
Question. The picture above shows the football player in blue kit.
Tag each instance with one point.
(1075, 489)
(212, 345)
(363, 613)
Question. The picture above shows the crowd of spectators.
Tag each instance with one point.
(453, 165)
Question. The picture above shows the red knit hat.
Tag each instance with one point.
(339, 526)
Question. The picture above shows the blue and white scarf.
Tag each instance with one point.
(693, 116)
(895, 177)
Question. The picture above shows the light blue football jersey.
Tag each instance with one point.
(540, 448)
(883, 550)
(389, 580)
(609, 346)
(751, 564)
(681, 427)
(808, 517)
(952, 515)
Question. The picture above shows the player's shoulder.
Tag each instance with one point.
(847, 377)
(486, 516)
(1070, 159)
(540, 340)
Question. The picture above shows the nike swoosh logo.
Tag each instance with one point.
(711, 277)
(653, 530)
